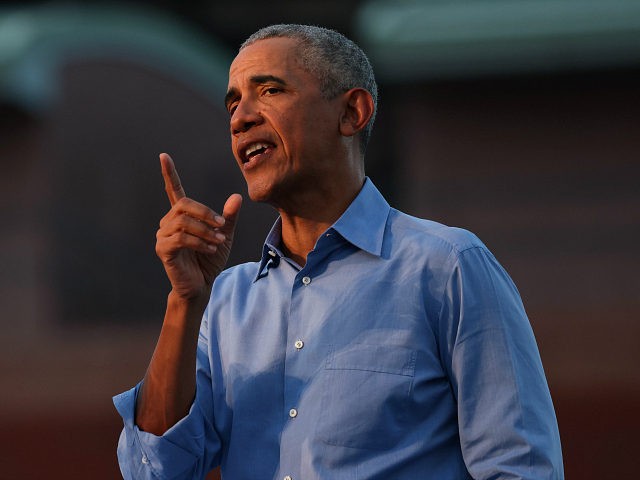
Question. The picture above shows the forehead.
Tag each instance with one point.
(268, 56)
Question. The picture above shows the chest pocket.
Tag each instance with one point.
(366, 396)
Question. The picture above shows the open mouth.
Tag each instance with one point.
(254, 150)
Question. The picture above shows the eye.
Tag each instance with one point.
(272, 90)
(232, 108)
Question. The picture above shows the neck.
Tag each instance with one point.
(310, 215)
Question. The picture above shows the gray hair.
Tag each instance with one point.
(337, 62)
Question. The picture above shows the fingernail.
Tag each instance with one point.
(220, 236)
(219, 219)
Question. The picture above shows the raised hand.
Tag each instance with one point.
(193, 241)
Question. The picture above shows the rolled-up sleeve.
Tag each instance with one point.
(507, 422)
(188, 450)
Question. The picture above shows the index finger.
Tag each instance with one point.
(172, 184)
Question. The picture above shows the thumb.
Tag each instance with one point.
(231, 211)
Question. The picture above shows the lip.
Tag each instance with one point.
(248, 162)
(257, 159)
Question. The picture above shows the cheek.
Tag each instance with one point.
(301, 129)
(287, 128)
(234, 151)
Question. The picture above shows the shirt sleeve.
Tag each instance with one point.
(188, 450)
(507, 423)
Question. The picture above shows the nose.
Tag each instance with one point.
(244, 117)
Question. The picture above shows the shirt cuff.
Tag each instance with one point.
(143, 455)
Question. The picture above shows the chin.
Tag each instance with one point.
(258, 197)
(270, 189)
(259, 193)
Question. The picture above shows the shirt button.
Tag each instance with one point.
(288, 477)
(145, 460)
(299, 344)
(293, 413)
(306, 280)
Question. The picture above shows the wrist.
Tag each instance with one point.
(188, 306)
(190, 296)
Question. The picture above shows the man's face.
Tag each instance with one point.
(284, 134)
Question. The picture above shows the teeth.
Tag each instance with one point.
(254, 147)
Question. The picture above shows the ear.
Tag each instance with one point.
(358, 109)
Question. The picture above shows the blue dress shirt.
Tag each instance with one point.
(401, 350)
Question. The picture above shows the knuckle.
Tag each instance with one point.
(176, 223)
(184, 239)
(161, 249)
(163, 221)
(181, 237)
(182, 203)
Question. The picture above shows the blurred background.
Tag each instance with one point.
(517, 120)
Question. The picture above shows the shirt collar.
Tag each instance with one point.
(362, 224)
(271, 254)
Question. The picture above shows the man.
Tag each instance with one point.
(365, 344)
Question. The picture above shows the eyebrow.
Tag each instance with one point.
(257, 80)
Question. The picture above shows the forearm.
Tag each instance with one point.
(169, 386)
